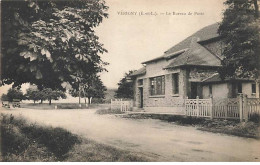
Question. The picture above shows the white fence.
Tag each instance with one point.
(122, 105)
(226, 108)
(198, 107)
(235, 108)
(253, 106)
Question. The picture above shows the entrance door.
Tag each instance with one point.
(194, 90)
(141, 97)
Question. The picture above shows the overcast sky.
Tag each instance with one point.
(132, 39)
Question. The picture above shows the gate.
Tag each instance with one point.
(120, 104)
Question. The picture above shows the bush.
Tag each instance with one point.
(255, 118)
(57, 140)
(12, 140)
(17, 135)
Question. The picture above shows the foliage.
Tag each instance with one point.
(240, 31)
(90, 87)
(125, 88)
(49, 143)
(49, 94)
(13, 93)
(51, 42)
(255, 118)
(4, 97)
(33, 94)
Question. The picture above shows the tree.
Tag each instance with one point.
(4, 97)
(50, 94)
(33, 94)
(91, 87)
(125, 87)
(240, 33)
(94, 89)
(13, 93)
(51, 42)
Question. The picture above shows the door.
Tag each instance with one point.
(194, 90)
(141, 97)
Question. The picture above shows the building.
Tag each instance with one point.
(188, 69)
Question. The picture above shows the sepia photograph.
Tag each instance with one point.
(129, 81)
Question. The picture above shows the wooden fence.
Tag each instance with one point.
(198, 107)
(235, 108)
(122, 105)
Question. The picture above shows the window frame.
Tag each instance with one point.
(154, 83)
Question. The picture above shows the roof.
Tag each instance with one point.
(216, 78)
(140, 71)
(191, 52)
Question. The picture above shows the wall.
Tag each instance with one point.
(247, 89)
(168, 100)
(218, 91)
(223, 90)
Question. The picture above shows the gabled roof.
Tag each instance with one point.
(203, 34)
(191, 52)
(140, 71)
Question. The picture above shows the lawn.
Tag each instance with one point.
(61, 106)
(22, 141)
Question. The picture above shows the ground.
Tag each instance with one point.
(160, 141)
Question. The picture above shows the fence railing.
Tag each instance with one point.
(122, 105)
(235, 108)
(198, 107)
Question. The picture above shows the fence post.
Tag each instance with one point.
(111, 104)
(245, 109)
(197, 103)
(241, 107)
(185, 106)
(121, 106)
(211, 107)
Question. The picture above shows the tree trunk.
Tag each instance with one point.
(49, 101)
(79, 94)
(89, 100)
(41, 101)
(256, 9)
(33, 101)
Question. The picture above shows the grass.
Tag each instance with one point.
(22, 141)
(91, 151)
(250, 129)
(46, 106)
(108, 111)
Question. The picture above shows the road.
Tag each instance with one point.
(158, 140)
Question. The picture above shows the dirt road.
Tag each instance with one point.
(159, 140)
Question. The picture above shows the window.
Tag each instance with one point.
(253, 88)
(175, 83)
(140, 82)
(157, 85)
(210, 89)
(239, 88)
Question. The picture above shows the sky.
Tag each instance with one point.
(131, 38)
